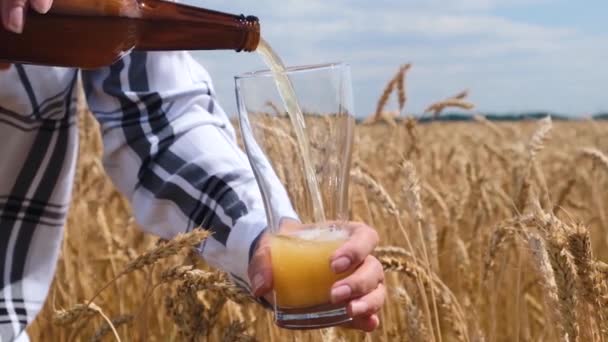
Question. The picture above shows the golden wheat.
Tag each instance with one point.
(489, 232)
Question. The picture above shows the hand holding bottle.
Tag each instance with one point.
(91, 34)
(13, 15)
(13, 12)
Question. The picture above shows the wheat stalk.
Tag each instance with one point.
(563, 194)
(378, 191)
(396, 82)
(172, 247)
(412, 194)
(235, 332)
(500, 236)
(590, 284)
(543, 264)
(596, 155)
(175, 273)
(447, 300)
(535, 145)
(218, 283)
(111, 326)
(65, 317)
(416, 330)
(456, 101)
(539, 137)
(566, 278)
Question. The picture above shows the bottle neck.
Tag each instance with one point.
(182, 27)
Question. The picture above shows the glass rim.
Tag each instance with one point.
(292, 70)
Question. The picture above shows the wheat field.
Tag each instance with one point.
(489, 232)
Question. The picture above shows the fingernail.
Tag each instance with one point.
(340, 265)
(15, 19)
(376, 320)
(359, 308)
(340, 293)
(46, 6)
(258, 282)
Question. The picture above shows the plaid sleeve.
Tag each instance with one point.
(171, 150)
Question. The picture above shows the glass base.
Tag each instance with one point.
(316, 317)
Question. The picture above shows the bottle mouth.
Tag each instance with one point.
(252, 38)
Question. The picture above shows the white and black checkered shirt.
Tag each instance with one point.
(168, 147)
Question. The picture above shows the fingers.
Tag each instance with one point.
(41, 6)
(4, 66)
(369, 304)
(13, 12)
(363, 281)
(260, 270)
(361, 243)
(364, 323)
(364, 310)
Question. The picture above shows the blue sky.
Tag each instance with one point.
(513, 55)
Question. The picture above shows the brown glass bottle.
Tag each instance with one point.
(96, 33)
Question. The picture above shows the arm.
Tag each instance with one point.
(171, 150)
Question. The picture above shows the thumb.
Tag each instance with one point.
(260, 271)
(4, 66)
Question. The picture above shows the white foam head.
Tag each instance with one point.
(322, 234)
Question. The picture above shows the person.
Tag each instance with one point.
(168, 147)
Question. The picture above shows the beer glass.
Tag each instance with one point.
(276, 150)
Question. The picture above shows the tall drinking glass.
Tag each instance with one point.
(302, 274)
